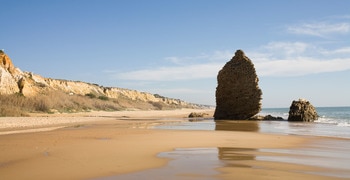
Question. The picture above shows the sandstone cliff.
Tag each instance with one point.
(9, 75)
(13, 80)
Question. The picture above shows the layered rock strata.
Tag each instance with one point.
(9, 75)
(13, 80)
(302, 110)
(238, 96)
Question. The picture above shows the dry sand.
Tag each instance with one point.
(99, 144)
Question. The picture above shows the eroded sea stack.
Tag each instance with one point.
(238, 96)
(302, 110)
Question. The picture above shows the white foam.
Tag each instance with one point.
(343, 124)
(337, 122)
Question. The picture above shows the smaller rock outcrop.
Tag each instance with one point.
(302, 110)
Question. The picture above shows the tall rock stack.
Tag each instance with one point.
(238, 96)
(302, 110)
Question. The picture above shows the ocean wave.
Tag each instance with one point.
(344, 124)
(334, 121)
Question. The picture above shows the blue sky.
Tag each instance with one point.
(300, 48)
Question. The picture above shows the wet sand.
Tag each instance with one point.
(103, 145)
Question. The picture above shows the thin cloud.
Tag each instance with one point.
(286, 49)
(302, 66)
(273, 60)
(197, 71)
(320, 29)
(204, 57)
(340, 17)
(182, 68)
(340, 51)
(181, 91)
(299, 58)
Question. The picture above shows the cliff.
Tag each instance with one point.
(13, 80)
(9, 75)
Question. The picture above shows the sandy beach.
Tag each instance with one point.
(99, 145)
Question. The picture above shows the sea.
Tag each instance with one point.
(332, 122)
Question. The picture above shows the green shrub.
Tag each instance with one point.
(104, 98)
(90, 95)
(61, 102)
(157, 105)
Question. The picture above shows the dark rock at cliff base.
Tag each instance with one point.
(238, 96)
(266, 118)
(197, 115)
(302, 110)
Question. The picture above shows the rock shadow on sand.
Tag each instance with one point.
(228, 125)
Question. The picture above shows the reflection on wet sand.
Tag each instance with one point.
(186, 163)
(229, 125)
(232, 157)
(211, 163)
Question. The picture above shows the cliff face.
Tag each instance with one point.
(13, 80)
(9, 76)
(6, 62)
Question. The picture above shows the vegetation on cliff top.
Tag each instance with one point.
(60, 102)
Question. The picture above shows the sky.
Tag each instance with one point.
(300, 48)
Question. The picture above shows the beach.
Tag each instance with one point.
(126, 145)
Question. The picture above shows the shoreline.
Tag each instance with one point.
(41, 122)
(113, 144)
